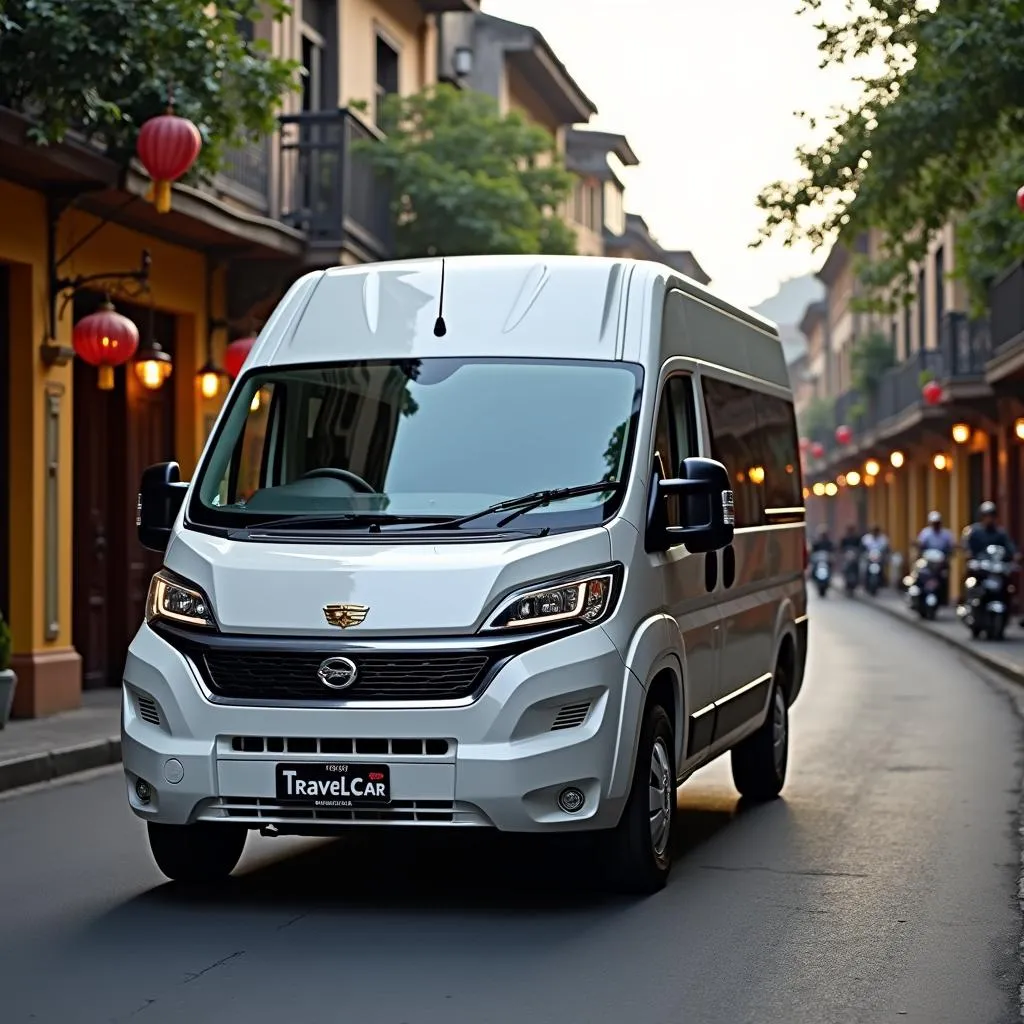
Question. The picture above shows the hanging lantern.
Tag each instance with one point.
(105, 339)
(153, 366)
(208, 377)
(167, 146)
(817, 450)
(932, 392)
(1020, 197)
(844, 435)
(235, 355)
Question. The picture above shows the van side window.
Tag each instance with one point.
(776, 425)
(675, 436)
(732, 420)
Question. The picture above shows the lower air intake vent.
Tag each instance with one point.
(571, 715)
(148, 709)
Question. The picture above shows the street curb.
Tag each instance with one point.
(1007, 669)
(54, 764)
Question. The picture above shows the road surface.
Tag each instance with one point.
(883, 887)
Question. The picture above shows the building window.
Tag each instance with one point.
(387, 74)
(614, 210)
(940, 287)
(922, 310)
(313, 48)
(908, 341)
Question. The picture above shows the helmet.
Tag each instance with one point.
(987, 508)
(934, 517)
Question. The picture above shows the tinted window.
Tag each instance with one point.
(776, 432)
(432, 438)
(675, 436)
(732, 420)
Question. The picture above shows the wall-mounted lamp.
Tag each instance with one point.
(831, 490)
(152, 364)
(896, 458)
(1018, 428)
(462, 61)
(940, 462)
(961, 433)
(872, 468)
(853, 478)
(818, 489)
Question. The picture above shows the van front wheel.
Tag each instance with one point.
(197, 854)
(639, 853)
(759, 762)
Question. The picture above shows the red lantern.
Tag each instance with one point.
(817, 450)
(105, 339)
(167, 146)
(932, 392)
(844, 435)
(1020, 197)
(235, 355)
(804, 444)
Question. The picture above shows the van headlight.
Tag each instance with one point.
(583, 600)
(172, 599)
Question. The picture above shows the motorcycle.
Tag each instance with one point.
(924, 585)
(986, 604)
(873, 572)
(851, 571)
(821, 571)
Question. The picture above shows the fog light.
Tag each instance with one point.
(571, 799)
(143, 791)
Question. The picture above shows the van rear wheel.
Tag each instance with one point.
(759, 762)
(197, 854)
(638, 855)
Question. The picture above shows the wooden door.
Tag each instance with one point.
(117, 434)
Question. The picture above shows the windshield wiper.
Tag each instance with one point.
(372, 520)
(521, 505)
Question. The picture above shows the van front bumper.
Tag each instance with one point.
(563, 714)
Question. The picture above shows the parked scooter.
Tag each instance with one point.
(821, 571)
(924, 585)
(873, 572)
(986, 604)
(851, 572)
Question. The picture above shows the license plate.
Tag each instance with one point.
(334, 784)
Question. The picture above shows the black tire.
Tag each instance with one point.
(759, 762)
(998, 629)
(635, 864)
(197, 854)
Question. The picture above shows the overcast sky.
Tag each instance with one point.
(705, 91)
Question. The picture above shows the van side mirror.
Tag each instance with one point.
(709, 522)
(160, 496)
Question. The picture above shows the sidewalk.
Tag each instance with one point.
(1005, 656)
(40, 749)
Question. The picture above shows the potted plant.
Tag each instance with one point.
(8, 680)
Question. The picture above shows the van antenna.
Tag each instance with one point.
(440, 328)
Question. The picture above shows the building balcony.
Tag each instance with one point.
(329, 191)
(1006, 302)
(246, 174)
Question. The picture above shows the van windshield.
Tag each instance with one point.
(419, 439)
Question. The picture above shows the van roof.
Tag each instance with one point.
(569, 306)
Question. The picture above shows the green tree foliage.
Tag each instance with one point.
(817, 421)
(465, 180)
(938, 133)
(104, 67)
(870, 357)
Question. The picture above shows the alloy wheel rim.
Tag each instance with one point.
(660, 797)
(780, 729)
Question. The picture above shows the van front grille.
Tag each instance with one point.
(292, 675)
(335, 746)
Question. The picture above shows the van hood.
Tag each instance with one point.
(409, 588)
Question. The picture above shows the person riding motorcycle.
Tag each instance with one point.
(985, 532)
(935, 537)
(875, 541)
(851, 540)
(822, 541)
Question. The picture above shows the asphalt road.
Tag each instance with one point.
(883, 887)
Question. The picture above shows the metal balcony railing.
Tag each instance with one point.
(327, 189)
(1006, 303)
(966, 346)
(249, 167)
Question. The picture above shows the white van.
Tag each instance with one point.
(508, 542)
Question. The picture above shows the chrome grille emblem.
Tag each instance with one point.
(338, 673)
